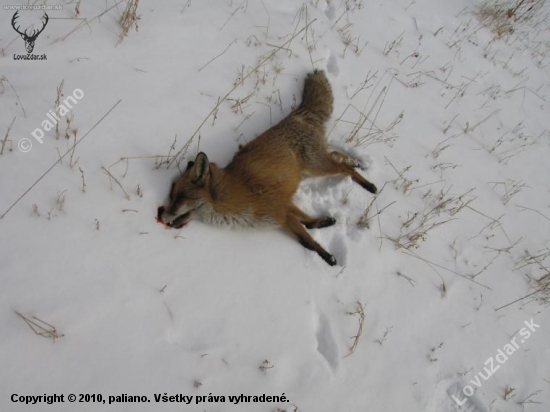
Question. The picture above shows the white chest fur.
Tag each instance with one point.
(242, 220)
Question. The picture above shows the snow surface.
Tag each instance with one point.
(463, 223)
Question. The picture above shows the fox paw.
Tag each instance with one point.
(320, 223)
(358, 165)
(371, 188)
(326, 222)
(331, 260)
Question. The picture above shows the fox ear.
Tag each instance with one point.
(200, 169)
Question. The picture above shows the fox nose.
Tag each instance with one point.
(163, 216)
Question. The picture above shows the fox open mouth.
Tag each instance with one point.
(180, 221)
(177, 223)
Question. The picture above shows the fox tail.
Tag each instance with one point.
(317, 98)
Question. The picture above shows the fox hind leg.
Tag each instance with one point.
(365, 184)
(311, 222)
(346, 160)
(295, 229)
(320, 223)
(335, 163)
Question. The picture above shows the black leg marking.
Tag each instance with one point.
(367, 185)
(320, 223)
(327, 257)
(326, 222)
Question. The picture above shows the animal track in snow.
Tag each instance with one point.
(443, 401)
(326, 345)
(330, 12)
(332, 65)
(338, 248)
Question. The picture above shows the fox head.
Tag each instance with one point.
(188, 193)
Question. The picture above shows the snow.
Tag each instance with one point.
(459, 229)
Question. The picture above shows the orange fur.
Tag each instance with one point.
(256, 188)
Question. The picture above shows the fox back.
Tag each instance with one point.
(256, 188)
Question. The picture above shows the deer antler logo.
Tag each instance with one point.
(29, 39)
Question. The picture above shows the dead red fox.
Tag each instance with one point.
(256, 188)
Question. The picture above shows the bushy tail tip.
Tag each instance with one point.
(317, 98)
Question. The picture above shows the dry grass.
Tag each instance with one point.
(128, 19)
(6, 140)
(58, 161)
(543, 287)
(440, 208)
(111, 178)
(503, 16)
(360, 312)
(41, 328)
(243, 76)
